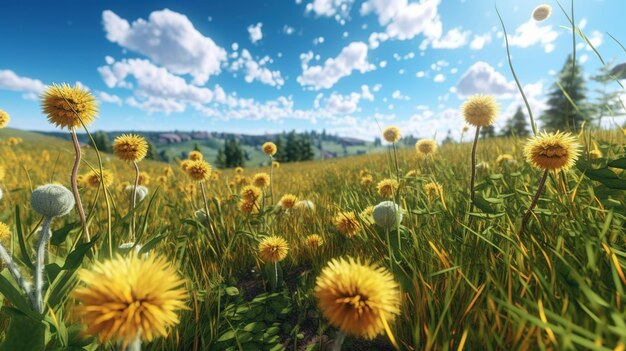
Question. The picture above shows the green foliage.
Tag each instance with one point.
(517, 125)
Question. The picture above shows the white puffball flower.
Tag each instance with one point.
(52, 200)
(142, 192)
(387, 214)
(542, 12)
(305, 205)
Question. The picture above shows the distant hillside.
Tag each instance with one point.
(177, 144)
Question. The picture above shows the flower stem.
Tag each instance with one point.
(14, 270)
(37, 300)
(208, 216)
(338, 341)
(79, 203)
(526, 217)
(473, 176)
(133, 202)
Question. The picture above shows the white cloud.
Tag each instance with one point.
(256, 70)
(155, 87)
(338, 9)
(352, 58)
(366, 94)
(288, 30)
(343, 104)
(404, 20)
(482, 78)
(9, 80)
(531, 33)
(397, 95)
(439, 78)
(255, 32)
(596, 38)
(318, 40)
(169, 39)
(110, 98)
(480, 41)
(455, 38)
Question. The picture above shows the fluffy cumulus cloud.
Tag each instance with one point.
(338, 9)
(257, 70)
(9, 80)
(155, 88)
(168, 38)
(482, 78)
(351, 58)
(109, 98)
(256, 32)
(479, 41)
(403, 21)
(532, 33)
(453, 39)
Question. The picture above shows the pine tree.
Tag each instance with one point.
(292, 148)
(608, 103)
(102, 141)
(220, 160)
(563, 114)
(280, 147)
(488, 131)
(232, 153)
(306, 149)
(152, 151)
(517, 125)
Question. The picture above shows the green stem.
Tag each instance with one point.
(526, 217)
(473, 175)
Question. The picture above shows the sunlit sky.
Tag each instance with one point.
(255, 66)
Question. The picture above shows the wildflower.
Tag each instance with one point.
(505, 158)
(144, 178)
(168, 171)
(314, 241)
(68, 106)
(367, 180)
(387, 215)
(412, 173)
(276, 164)
(141, 193)
(52, 200)
(387, 187)
(248, 207)
(392, 134)
(480, 110)
(4, 119)
(432, 190)
(130, 147)
(305, 205)
(288, 201)
(346, 223)
(358, 298)
(239, 170)
(595, 154)
(132, 297)
(552, 151)
(426, 146)
(269, 148)
(199, 170)
(273, 249)
(161, 179)
(195, 155)
(93, 178)
(261, 180)
(250, 193)
(367, 215)
(542, 12)
(184, 165)
(5, 233)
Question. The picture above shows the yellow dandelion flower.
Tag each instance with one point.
(367, 180)
(314, 241)
(288, 201)
(392, 134)
(130, 147)
(242, 181)
(367, 215)
(276, 164)
(432, 190)
(199, 170)
(5, 233)
(161, 179)
(4, 119)
(480, 110)
(128, 297)
(144, 178)
(552, 151)
(67, 106)
(261, 180)
(195, 156)
(239, 170)
(412, 173)
(168, 171)
(273, 249)
(2, 173)
(269, 148)
(387, 187)
(542, 12)
(595, 154)
(250, 193)
(426, 146)
(248, 207)
(358, 298)
(184, 165)
(346, 223)
(93, 178)
(364, 172)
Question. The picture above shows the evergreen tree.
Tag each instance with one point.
(101, 139)
(488, 131)
(448, 139)
(280, 155)
(232, 153)
(292, 148)
(563, 114)
(196, 147)
(306, 149)
(220, 160)
(608, 103)
(517, 125)
(152, 151)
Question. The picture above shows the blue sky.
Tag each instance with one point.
(346, 66)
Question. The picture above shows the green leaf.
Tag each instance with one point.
(232, 291)
(59, 235)
(24, 334)
(606, 177)
(75, 258)
(20, 237)
(483, 204)
(152, 243)
(619, 163)
(15, 295)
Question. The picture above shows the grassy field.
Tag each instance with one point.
(469, 280)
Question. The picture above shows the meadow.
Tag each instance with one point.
(468, 280)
